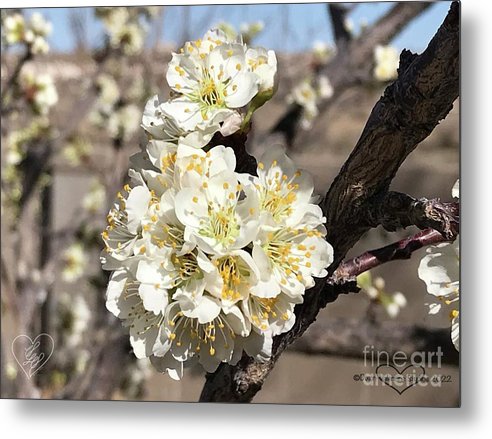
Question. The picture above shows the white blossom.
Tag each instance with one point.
(39, 90)
(80, 315)
(109, 92)
(123, 300)
(211, 86)
(283, 191)
(455, 192)
(40, 46)
(399, 299)
(74, 263)
(386, 60)
(325, 89)
(39, 25)
(182, 337)
(215, 216)
(375, 290)
(288, 258)
(322, 51)
(214, 78)
(14, 28)
(77, 150)
(94, 200)
(251, 30)
(440, 270)
(33, 33)
(304, 95)
(124, 122)
(124, 28)
(125, 221)
(162, 126)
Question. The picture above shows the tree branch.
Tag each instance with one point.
(12, 81)
(394, 210)
(411, 107)
(338, 13)
(409, 110)
(348, 337)
(402, 249)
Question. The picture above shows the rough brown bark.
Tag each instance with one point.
(411, 107)
(409, 110)
(394, 210)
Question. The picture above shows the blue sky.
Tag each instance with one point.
(306, 23)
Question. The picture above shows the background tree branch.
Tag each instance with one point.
(338, 15)
(353, 62)
(347, 338)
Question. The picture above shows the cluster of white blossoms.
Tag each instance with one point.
(307, 95)
(207, 262)
(126, 26)
(113, 110)
(33, 33)
(39, 90)
(94, 200)
(74, 263)
(375, 290)
(440, 270)
(387, 60)
(322, 52)
(76, 314)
